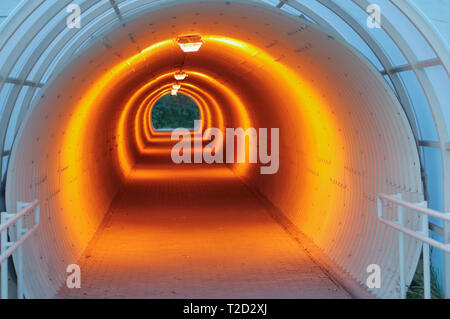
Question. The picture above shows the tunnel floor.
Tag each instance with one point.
(196, 233)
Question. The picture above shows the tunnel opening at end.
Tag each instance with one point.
(174, 111)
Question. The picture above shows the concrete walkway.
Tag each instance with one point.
(195, 234)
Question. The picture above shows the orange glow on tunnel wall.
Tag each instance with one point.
(315, 111)
(188, 89)
(219, 120)
(143, 122)
(311, 107)
(237, 103)
(205, 115)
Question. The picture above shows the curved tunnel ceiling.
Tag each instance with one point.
(344, 137)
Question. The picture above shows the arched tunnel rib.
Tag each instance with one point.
(139, 224)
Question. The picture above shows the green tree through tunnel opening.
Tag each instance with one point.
(174, 111)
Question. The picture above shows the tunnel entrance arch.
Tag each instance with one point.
(400, 182)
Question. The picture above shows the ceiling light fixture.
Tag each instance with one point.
(190, 43)
(174, 92)
(180, 76)
(176, 86)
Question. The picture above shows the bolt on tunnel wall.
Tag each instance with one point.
(344, 137)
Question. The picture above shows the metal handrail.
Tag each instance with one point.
(422, 235)
(15, 247)
(415, 207)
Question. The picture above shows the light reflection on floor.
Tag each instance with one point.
(194, 232)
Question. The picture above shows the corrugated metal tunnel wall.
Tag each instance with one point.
(344, 135)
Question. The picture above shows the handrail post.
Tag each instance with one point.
(8, 223)
(19, 261)
(422, 234)
(446, 228)
(4, 264)
(19, 255)
(426, 256)
(401, 249)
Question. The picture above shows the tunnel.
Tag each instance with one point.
(113, 201)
